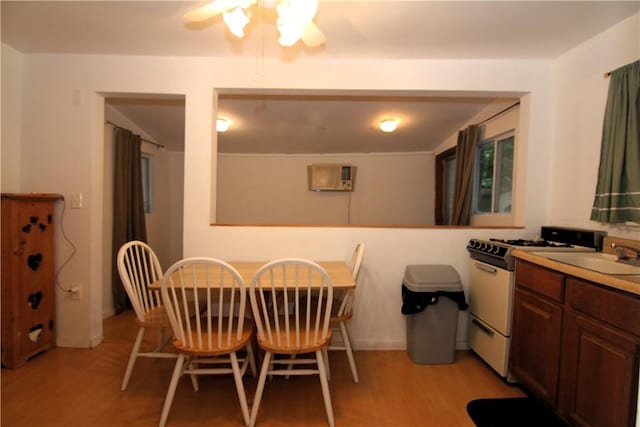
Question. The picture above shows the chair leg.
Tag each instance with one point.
(177, 373)
(160, 340)
(237, 376)
(263, 376)
(347, 344)
(194, 378)
(325, 388)
(252, 360)
(325, 353)
(132, 359)
(290, 365)
(163, 339)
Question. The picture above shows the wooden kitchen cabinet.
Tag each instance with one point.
(28, 276)
(576, 345)
(601, 355)
(537, 331)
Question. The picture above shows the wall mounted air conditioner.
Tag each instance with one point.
(331, 177)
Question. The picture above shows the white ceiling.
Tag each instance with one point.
(356, 29)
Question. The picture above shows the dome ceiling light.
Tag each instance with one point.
(295, 18)
(222, 124)
(388, 125)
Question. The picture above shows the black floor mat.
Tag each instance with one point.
(512, 412)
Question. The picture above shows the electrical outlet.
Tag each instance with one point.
(75, 292)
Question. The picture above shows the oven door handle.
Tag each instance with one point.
(486, 268)
(482, 327)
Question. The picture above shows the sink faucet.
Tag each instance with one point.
(622, 251)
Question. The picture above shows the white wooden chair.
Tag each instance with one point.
(289, 324)
(343, 311)
(138, 267)
(206, 302)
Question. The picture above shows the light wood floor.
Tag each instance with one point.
(81, 387)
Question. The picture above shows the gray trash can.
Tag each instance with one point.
(431, 298)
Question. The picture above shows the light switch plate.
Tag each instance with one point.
(76, 201)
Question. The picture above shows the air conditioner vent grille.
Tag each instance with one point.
(331, 177)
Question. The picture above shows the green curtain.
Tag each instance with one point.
(465, 158)
(618, 190)
(128, 205)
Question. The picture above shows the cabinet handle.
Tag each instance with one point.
(482, 327)
(486, 268)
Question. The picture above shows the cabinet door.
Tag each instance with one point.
(535, 345)
(35, 278)
(600, 374)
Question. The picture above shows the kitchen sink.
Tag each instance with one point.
(595, 261)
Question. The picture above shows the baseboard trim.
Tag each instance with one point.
(396, 345)
(76, 342)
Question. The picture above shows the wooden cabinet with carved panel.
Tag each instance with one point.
(28, 276)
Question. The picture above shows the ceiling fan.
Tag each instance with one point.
(295, 18)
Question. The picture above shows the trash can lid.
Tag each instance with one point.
(431, 278)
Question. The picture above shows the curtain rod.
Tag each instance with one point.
(498, 113)
(607, 74)
(158, 145)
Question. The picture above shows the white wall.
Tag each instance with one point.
(11, 118)
(58, 127)
(390, 189)
(579, 103)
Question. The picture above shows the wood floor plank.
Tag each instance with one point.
(81, 387)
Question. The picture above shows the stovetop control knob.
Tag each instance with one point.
(496, 249)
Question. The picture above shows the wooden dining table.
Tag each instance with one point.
(338, 272)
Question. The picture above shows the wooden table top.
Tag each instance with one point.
(338, 271)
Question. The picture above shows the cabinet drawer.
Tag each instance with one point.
(540, 280)
(490, 344)
(617, 309)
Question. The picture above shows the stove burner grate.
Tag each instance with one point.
(532, 243)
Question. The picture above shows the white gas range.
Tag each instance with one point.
(491, 286)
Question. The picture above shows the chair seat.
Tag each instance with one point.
(155, 318)
(335, 317)
(229, 344)
(283, 348)
(335, 307)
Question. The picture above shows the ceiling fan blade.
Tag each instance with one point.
(214, 8)
(312, 35)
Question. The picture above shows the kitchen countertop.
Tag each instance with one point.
(628, 283)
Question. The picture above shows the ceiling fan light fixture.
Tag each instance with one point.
(222, 124)
(312, 35)
(294, 22)
(236, 20)
(388, 125)
(294, 17)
